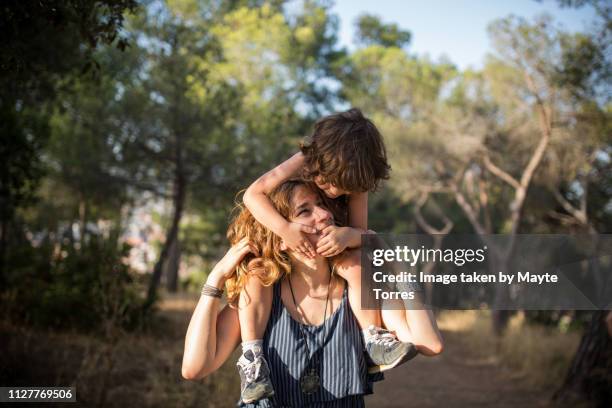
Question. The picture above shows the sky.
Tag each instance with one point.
(456, 29)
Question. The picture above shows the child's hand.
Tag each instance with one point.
(337, 239)
(295, 239)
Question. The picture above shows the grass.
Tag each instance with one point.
(125, 369)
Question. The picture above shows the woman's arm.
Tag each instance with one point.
(257, 201)
(212, 336)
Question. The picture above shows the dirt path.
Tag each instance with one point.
(453, 379)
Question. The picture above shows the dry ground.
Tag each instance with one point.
(456, 378)
(144, 370)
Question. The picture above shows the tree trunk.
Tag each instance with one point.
(82, 220)
(500, 316)
(179, 201)
(589, 379)
(172, 266)
(3, 244)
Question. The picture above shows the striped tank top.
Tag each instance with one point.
(342, 363)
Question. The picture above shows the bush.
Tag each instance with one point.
(564, 320)
(64, 286)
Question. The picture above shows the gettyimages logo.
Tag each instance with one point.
(529, 272)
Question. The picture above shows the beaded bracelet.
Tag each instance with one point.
(209, 290)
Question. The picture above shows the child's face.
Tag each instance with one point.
(307, 209)
(329, 189)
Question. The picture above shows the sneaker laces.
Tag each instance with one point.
(381, 336)
(251, 369)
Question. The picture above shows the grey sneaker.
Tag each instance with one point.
(385, 351)
(255, 382)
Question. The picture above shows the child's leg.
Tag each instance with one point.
(383, 348)
(254, 308)
(417, 326)
(394, 319)
(393, 312)
(350, 271)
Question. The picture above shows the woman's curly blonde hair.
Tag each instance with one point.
(270, 262)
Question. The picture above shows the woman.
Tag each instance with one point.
(312, 340)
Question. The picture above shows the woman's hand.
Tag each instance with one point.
(294, 237)
(337, 239)
(227, 265)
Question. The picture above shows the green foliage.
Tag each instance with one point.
(45, 45)
(403, 96)
(22, 168)
(371, 31)
(440, 123)
(58, 285)
(210, 95)
(387, 213)
(564, 321)
(193, 282)
(54, 37)
(583, 66)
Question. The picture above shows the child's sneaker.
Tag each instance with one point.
(385, 350)
(255, 382)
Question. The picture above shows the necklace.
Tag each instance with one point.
(310, 381)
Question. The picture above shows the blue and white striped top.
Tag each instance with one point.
(343, 368)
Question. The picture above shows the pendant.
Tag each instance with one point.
(310, 382)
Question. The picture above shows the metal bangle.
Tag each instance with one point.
(409, 286)
(209, 290)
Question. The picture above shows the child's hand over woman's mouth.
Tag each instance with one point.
(335, 239)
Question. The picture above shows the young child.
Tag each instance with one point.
(345, 157)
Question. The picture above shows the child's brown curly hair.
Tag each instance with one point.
(347, 150)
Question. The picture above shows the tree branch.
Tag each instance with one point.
(579, 215)
(467, 209)
(431, 230)
(496, 171)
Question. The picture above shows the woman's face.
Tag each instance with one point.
(307, 209)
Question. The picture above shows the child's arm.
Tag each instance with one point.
(258, 203)
(337, 239)
(358, 211)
